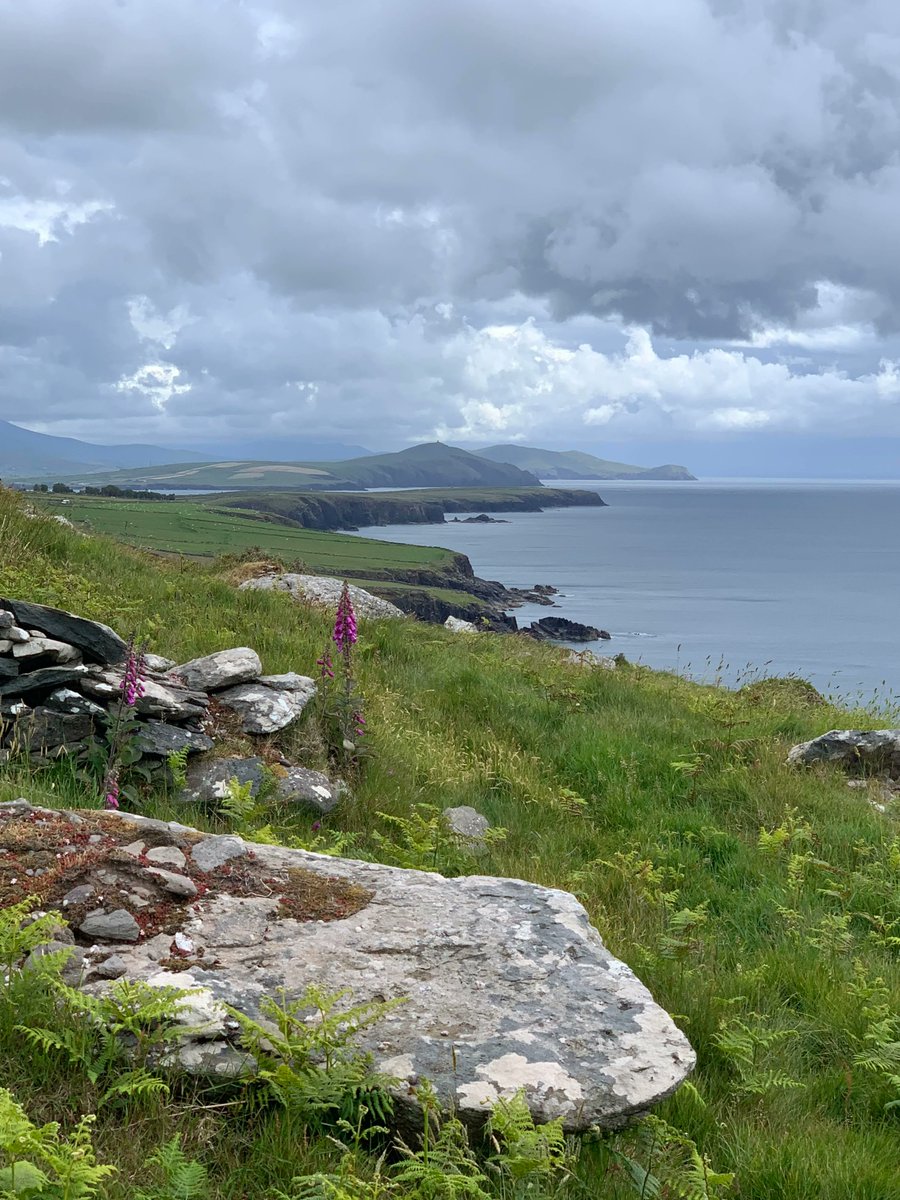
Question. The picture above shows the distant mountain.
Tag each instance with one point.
(431, 465)
(284, 449)
(574, 464)
(28, 455)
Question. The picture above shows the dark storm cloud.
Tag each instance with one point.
(268, 208)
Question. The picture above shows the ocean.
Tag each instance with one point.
(716, 579)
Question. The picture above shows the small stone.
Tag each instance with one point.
(160, 740)
(116, 926)
(467, 823)
(457, 625)
(135, 849)
(113, 967)
(78, 895)
(166, 856)
(17, 635)
(157, 664)
(178, 885)
(265, 709)
(213, 852)
(41, 647)
(5, 645)
(66, 700)
(299, 785)
(183, 944)
(7, 620)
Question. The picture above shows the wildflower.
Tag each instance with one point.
(132, 684)
(344, 635)
(316, 826)
(326, 669)
(111, 786)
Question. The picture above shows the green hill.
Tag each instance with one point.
(759, 904)
(430, 465)
(25, 454)
(574, 464)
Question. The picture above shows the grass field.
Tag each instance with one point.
(194, 527)
(760, 904)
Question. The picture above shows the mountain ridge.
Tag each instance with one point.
(576, 464)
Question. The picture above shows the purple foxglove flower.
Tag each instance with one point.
(112, 790)
(344, 634)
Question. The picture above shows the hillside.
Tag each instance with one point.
(28, 455)
(759, 903)
(574, 464)
(432, 465)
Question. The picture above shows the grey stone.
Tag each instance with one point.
(78, 895)
(160, 740)
(42, 647)
(224, 669)
(873, 750)
(587, 658)
(66, 700)
(506, 988)
(159, 700)
(97, 642)
(214, 852)
(73, 968)
(289, 682)
(5, 644)
(44, 679)
(458, 625)
(45, 729)
(134, 849)
(157, 664)
(265, 709)
(113, 967)
(116, 926)
(178, 885)
(18, 637)
(7, 620)
(325, 591)
(166, 856)
(9, 669)
(467, 823)
(299, 785)
(208, 780)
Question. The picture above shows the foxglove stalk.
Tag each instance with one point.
(344, 635)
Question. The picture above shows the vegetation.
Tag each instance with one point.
(761, 906)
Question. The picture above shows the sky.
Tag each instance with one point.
(660, 227)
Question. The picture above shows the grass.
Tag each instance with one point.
(198, 529)
(761, 905)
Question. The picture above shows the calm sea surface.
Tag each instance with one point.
(716, 577)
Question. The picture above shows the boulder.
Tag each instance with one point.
(587, 658)
(158, 665)
(115, 926)
(456, 625)
(300, 785)
(505, 986)
(224, 669)
(45, 729)
(207, 782)
(325, 591)
(97, 642)
(264, 709)
(874, 750)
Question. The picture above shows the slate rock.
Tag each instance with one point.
(207, 781)
(65, 700)
(157, 665)
(116, 926)
(9, 669)
(224, 669)
(44, 679)
(49, 648)
(97, 642)
(875, 750)
(7, 620)
(507, 988)
(44, 729)
(159, 740)
(78, 895)
(264, 709)
(564, 630)
(113, 967)
(17, 636)
(159, 700)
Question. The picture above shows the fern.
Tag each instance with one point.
(181, 1178)
(743, 1045)
(177, 763)
(662, 1162)
(20, 932)
(41, 1162)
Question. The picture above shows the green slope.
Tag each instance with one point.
(574, 464)
(431, 465)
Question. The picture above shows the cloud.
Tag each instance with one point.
(278, 215)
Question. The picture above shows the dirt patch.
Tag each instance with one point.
(48, 856)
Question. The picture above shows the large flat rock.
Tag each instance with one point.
(876, 750)
(505, 985)
(325, 590)
(96, 641)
